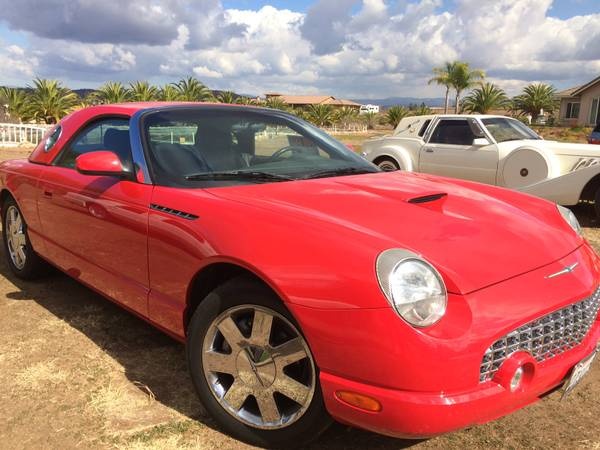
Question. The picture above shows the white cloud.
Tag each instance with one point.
(351, 48)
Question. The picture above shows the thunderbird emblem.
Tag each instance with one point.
(567, 269)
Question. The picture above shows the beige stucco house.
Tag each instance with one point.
(580, 105)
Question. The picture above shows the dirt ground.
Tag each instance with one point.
(76, 371)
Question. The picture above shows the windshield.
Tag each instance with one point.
(504, 129)
(220, 147)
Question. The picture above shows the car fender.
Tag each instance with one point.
(565, 189)
(400, 154)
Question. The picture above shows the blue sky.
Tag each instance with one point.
(348, 48)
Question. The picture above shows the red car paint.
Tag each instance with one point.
(315, 242)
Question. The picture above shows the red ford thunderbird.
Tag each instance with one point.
(306, 284)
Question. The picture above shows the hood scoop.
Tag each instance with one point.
(427, 198)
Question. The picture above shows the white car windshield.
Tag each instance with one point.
(504, 129)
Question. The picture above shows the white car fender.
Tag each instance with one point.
(566, 189)
(399, 154)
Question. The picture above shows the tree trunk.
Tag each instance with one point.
(447, 99)
(457, 102)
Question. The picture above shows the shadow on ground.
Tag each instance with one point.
(148, 357)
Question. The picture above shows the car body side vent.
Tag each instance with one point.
(427, 198)
(173, 212)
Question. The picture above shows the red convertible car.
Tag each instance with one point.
(306, 284)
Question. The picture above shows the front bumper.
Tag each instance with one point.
(428, 380)
(408, 414)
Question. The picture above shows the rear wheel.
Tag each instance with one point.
(388, 164)
(21, 257)
(253, 369)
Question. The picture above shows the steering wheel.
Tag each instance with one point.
(289, 149)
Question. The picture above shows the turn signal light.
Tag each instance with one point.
(359, 401)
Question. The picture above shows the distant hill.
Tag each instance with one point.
(402, 101)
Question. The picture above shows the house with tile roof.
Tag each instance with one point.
(301, 101)
(580, 105)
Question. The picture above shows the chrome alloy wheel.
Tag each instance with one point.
(15, 237)
(258, 367)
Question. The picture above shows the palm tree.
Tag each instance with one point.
(320, 115)
(169, 93)
(419, 110)
(534, 98)
(442, 78)
(486, 97)
(345, 115)
(462, 78)
(371, 119)
(50, 100)
(226, 97)
(192, 90)
(276, 103)
(395, 114)
(142, 91)
(245, 101)
(111, 92)
(15, 101)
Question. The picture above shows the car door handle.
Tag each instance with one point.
(429, 150)
(47, 194)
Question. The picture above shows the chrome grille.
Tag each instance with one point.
(545, 337)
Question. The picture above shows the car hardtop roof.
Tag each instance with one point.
(133, 107)
(457, 116)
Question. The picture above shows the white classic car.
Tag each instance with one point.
(491, 149)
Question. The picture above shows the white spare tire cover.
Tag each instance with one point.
(524, 167)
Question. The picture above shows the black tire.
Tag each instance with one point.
(245, 291)
(388, 164)
(33, 266)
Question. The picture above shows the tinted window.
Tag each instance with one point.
(424, 127)
(453, 132)
(184, 142)
(106, 134)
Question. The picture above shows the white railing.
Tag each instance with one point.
(349, 128)
(15, 134)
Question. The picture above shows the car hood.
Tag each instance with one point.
(571, 149)
(475, 235)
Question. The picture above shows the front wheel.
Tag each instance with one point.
(388, 164)
(22, 259)
(253, 369)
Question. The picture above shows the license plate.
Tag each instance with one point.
(579, 371)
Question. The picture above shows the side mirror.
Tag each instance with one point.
(480, 142)
(101, 163)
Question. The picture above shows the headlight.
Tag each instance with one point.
(413, 287)
(570, 218)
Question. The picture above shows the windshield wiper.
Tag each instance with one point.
(238, 175)
(339, 172)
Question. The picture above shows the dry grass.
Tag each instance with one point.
(40, 375)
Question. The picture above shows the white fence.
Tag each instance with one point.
(15, 134)
(350, 128)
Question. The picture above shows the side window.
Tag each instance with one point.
(453, 132)
(51, 140)
(424, 128)
(106, 134)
